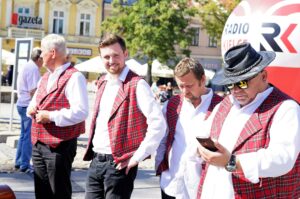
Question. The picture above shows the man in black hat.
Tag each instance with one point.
(256, 130)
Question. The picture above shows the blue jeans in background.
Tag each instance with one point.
(24, 149)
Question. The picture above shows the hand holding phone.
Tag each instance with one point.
(207, 143)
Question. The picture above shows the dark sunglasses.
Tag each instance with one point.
(241, 84)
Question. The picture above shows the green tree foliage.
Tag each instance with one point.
(214, 14)
(152, 28)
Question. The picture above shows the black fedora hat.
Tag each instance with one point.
(241, 63)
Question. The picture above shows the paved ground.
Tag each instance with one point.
(146, 184)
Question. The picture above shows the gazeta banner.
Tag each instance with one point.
(272, 25)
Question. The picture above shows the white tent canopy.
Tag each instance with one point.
(96, 65)
(8, 58)
(160, 70)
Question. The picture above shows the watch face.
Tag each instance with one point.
(230, 168)
(231, 165)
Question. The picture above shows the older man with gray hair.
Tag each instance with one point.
(59, 108)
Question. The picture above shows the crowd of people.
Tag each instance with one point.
(255, 130)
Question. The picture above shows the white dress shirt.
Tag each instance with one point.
(276, 160)
(148, 106)
(27, 81)
(76, 93)
(182, 177)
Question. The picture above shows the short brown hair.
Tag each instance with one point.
(187, 65)
(111, 39)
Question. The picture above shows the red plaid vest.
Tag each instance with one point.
(253, 137)
(172, 114)
(127, 125)
(55, 100)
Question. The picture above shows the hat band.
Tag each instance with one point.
(243, 71)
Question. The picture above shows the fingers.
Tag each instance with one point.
(127, 170)
(42, 117)
(219, 147)
(32, 111)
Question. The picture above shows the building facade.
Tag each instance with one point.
(79, 22)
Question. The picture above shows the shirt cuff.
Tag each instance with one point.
(52, 115)
(249, 163)
(139, 156)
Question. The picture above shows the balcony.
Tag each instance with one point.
(14, 32)
(82, 39)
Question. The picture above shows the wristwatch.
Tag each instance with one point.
(231, 165)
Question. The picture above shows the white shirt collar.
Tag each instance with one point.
(204, 98)
(60, 69)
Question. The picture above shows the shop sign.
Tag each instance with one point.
(24, 21)
(80, 51)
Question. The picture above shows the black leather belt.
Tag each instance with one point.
(103, 157)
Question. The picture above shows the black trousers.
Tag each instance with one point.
(166, 196)
(104, 181)
(52, 169)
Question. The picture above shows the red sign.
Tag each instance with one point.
(25, 21)
(271, 25)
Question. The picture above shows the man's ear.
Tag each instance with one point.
(126, 53)
(265, 76)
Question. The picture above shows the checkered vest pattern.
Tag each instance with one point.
(127, 125)
(253, 137)
(172, 114)
(51, 134)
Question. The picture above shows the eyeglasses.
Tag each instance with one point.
(241, 84)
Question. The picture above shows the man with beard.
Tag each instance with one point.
(176, 160)
(126, 128)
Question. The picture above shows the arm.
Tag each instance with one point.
(283, 150)
(76, 93)
(276, 160)
(155, 120)
(161, 150)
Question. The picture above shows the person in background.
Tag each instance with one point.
(163, 94)
(155, 90)
(27, 81)
(127, 125)
(9, 75)
(59, 108)
(176, 158)
(256, 131)
(169, 90)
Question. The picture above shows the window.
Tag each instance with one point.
(58, 22)
(124, 2)
(24, 11)
(212, 42)
(195, 38)
(85, 24)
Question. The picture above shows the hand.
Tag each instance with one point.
(129, 164)
(219, 158)
(32, 111)
(42, 117)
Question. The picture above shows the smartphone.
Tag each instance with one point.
(207, 143)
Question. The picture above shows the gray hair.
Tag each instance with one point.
(36, 53)
(54, 41)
